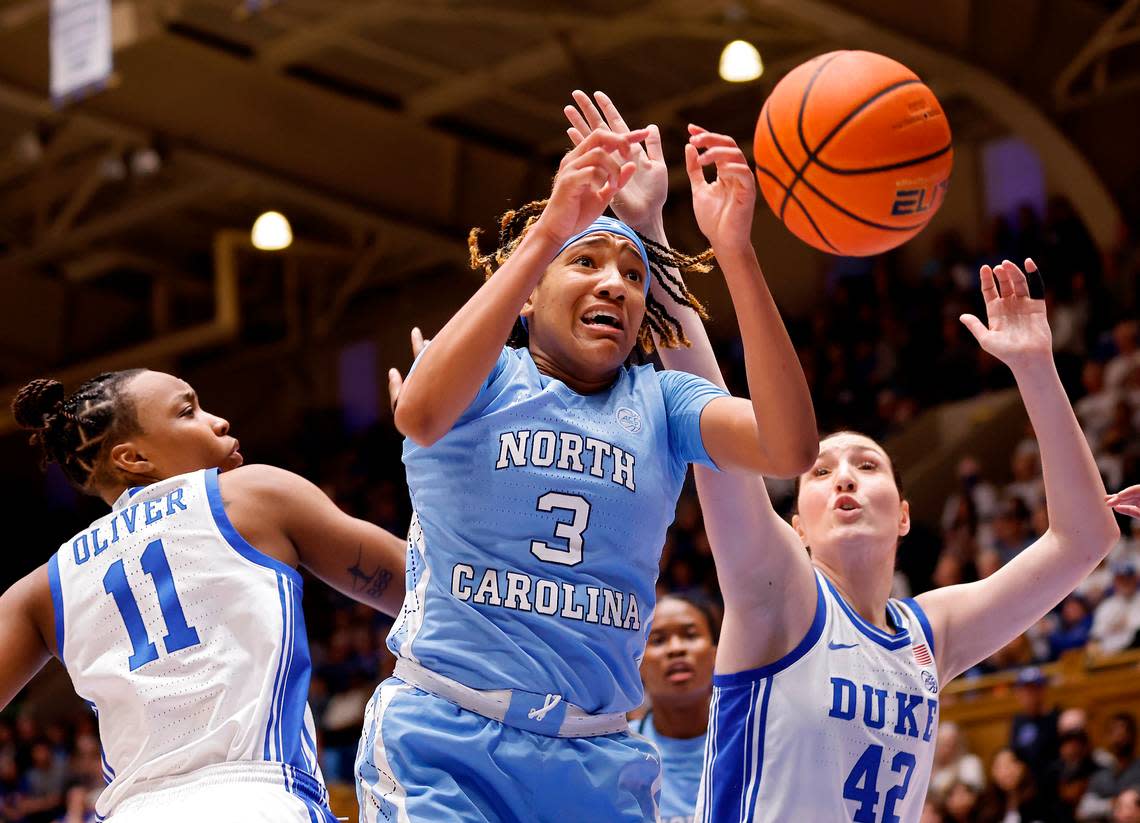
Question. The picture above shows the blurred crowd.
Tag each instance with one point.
(1050, 771)
(883, 345)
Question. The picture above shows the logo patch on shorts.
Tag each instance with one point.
(629, 420)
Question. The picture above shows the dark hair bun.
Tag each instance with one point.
(37, 400)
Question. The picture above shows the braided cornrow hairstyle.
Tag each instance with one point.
(75, 431)
(664, 265)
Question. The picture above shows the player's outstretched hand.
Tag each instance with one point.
(723, 207)
(1125, 501)
(395, 379)
(1017, 330)
(588, 178)
(641, 199)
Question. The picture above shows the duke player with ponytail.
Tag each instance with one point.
(178, 614)
(825, 699)
(543, 477)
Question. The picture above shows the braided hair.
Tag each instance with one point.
(514, 224)
(76, 431)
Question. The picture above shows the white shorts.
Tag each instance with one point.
(226, 793)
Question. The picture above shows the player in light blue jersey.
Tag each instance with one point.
(543, 478)
(178, 613)
(825, 701)
(677, 671)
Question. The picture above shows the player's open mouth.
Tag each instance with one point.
(847, 503)
(679, 672)
(603, 319)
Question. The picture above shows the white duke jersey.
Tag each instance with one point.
(842, 728)
(188, 643)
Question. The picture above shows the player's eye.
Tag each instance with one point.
(820, 471)
(583, 260)
(188, 411)
(634, 275)
(868, 464)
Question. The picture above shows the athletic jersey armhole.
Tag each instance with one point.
(56, 603)
(814, 632)
(923, 621)
(234, 539)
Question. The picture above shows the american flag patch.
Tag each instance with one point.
(922, 654)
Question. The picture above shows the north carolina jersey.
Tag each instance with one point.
(188, 643)
(539, 522)
(681, 762)
(841, 728)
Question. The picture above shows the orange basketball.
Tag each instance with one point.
(853, 153)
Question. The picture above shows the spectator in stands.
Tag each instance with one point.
(10, 796)
(1012, 796)
(1011, 529)
(932, 812)
(79, 807)
(1126, 339)
(1033, 735)
(974, 499)
(1094, 410)
(1117, 618)
(1027, 484)
(44, 785)
(1067, 778)
(1073, 626)
(1123, 774)
(961, 802)
(1126, 807)
(953, 763)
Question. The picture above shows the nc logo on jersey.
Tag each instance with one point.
(929, 681)
(629, 420)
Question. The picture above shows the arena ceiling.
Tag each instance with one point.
(386, 127)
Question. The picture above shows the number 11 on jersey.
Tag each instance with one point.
(178, 635)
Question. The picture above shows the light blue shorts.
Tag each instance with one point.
(423, 759)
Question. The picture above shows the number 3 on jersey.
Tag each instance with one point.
(178, 635)
(571, 531)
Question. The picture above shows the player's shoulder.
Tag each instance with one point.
(261, 481)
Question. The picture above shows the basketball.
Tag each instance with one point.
(853, 153)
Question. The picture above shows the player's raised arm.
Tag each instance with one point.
(24, 610)
(779, 423)
(973, 620)
(448, 375)
(766, 579)
(357, 558)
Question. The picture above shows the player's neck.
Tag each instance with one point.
(682, 720)
(582, 385)
(861, 581)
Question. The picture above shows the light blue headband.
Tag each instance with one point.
(613, 226)
(609, 225)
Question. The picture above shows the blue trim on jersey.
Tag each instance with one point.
(923, 621)
(295, 692)
(133, 490)
(750, 809)
(310, 763)
(270, 738)
(236, 541)
(890, 642)
(56, 603)
(108, 772)
(734, 794)
(809, 640)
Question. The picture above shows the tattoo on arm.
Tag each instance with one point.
(373, 584)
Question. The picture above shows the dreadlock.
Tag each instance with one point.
(664, 265)
(75, 431)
